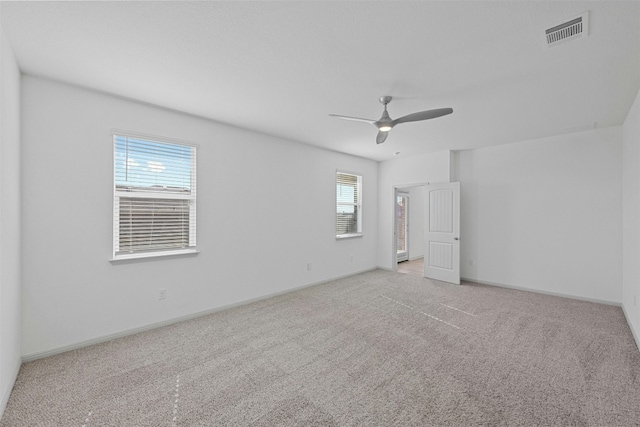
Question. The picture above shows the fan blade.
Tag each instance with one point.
(357, 119)
(382, 137)
(423, 115)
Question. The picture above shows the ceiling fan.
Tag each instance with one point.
(385, 123)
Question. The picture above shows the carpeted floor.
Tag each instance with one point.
(378, 348)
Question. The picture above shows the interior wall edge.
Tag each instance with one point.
(10, 219)
(636, 337)
(6, 393)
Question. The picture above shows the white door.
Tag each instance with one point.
(442, 232)
(402, 227)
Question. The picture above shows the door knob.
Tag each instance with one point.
(456, 238)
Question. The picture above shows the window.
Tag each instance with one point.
(154, 206)
(348, 205)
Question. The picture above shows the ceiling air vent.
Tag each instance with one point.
(572, 29)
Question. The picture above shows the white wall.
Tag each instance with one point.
(403, 172)
(266, 208)
(9, 220)
(545, 214)
(631, 218)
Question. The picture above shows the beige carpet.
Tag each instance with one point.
(378, 348)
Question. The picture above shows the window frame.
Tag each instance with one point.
(357, 204)
(118, 194)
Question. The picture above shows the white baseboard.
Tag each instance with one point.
(636, 337)
(538, 291)
(39, 355)
(633, 331)
(6, 393)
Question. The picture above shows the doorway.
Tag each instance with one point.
(402, 226)
(426, 232)
(408, 227)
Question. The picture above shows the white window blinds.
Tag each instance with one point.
(154, 197)
(348, 204)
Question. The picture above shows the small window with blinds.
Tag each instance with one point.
(154, 206)
(348, 205)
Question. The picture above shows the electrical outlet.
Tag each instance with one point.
(162, 293)
(351, 258)
(308, 266)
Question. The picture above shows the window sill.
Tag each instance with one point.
(153, 255)
(348, 236)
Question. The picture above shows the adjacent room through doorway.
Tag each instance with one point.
(402, 226)
(414, 267)
(409, 219)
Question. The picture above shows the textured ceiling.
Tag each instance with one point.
(282, 67)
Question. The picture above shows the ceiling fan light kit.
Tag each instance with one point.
(386, 123)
